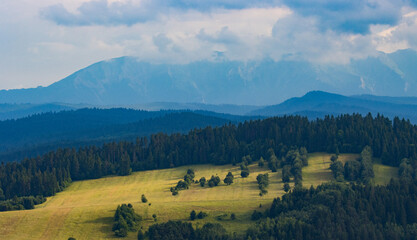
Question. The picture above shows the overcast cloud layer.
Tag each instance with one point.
(44, 41)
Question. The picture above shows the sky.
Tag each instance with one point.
(44, 41)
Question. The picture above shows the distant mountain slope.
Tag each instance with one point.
(40, 133)
(127, 81)
(397, 100)
(318, 104)
(218, 108)
(14, 111)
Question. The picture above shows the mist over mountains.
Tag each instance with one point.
(127, 81)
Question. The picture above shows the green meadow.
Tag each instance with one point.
(85, 209)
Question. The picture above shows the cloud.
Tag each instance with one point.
(161, 41)
(224, 36)
(401, 36)
(184, 31)
(113, 13)
(299, 38)
(100, 12)
(206, 5)
(345, 16)
(350, 16)
(57, 46)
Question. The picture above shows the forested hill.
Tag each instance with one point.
(317, 104)
(390, 141)
(40, 133)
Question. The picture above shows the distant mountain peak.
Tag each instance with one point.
(320, 94)
(317, 104)
(126, 80)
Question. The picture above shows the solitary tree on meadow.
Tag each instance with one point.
(144, 199)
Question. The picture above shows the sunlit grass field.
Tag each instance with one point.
(85, 209)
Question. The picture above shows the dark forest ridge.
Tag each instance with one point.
(40, 133)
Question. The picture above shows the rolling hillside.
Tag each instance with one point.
(85, 209)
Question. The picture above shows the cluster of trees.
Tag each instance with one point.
(202, 181)
(256, 215)
(229, 178)
(189, 178)
(342, 211)
(407, 170)
(360, 170)
(47, 174)
(273, 162)
(20, 203)
(125, 220)
(184, 231)
(263, 182)
(184, 184)
(244, 170)
(214, 181)
(200, 215)
(292, 164)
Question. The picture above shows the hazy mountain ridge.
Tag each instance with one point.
(318, 104)
(15, 111)
(127, 81)
(23, 110)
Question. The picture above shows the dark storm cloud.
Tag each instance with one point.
(352, 16)
(345, 16)
(101, 12)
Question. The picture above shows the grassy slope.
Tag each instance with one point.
(85, 209)
(383, 174)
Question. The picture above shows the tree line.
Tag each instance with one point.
(342, 211)
(184, 231)
(45, 175)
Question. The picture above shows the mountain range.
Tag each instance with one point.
(128, 81)
(42, 132)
